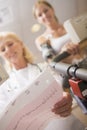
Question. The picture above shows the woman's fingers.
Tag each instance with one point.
(71, 48)
(63, 107)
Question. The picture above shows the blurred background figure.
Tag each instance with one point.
(54, 40)
(54, 34)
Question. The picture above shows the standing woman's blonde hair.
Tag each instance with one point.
(26, 52)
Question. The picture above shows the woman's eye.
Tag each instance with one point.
(10, 44)
(46, 10)
(3, 49)
(39, 15)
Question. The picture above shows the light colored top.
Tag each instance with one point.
(58, 43)
(18, 80)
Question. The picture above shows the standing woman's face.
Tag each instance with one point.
(11, 50)
(44, 14)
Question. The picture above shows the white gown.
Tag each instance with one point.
(13, 86)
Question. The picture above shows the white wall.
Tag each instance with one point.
(13, 15)
(23, 18)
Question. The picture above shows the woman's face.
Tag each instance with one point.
(11, 50)
(44, 14)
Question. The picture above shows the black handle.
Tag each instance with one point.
(61, 56)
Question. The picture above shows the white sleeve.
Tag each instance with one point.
(3, 97)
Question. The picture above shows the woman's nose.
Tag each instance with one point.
(7, 50)
(44, 15)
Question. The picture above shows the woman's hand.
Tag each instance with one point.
(63, 107)
(71, 48)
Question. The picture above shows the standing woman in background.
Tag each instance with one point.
(55, 35)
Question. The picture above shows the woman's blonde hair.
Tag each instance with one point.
(42, 2)
(26, 52)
